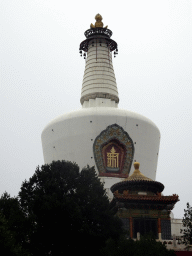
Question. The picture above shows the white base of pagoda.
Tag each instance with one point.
(71, 136)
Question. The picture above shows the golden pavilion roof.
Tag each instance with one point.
(137, 175)
(138, 181)
(123, 192)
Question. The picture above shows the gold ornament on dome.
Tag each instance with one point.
(113, 159)
(98, 23)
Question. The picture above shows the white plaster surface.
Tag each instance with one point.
(71, 137)
(99, 102)
(176, 226)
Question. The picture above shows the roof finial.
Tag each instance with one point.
(98, 23)
(137, 175)
(136, 165)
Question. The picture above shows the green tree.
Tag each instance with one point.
(128, 247)
(8, 244)
(12, 225)
(68, 210)
(187, 223)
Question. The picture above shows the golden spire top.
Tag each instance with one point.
(98, 23)
(137, 175)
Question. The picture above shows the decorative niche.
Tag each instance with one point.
(113, 152)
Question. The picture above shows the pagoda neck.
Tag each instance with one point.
(99, 88)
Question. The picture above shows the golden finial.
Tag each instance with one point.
(137, 175)
(136, 165)
(98, 23)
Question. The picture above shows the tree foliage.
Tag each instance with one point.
(12, 226)
(67, 210)
(128, 247)
(60, 210)
(187, 223)
(7, 240)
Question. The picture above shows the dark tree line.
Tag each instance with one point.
(62, 209)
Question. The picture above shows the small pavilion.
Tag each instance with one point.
(139, 202)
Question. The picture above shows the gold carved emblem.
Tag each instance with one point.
(113, 159)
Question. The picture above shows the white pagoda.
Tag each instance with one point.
(100, 134)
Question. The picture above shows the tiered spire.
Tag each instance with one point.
(99, 78)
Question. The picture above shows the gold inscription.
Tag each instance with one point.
(113, 159)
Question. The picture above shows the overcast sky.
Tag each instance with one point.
(42, 72)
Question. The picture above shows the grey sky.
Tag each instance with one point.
(41, 78)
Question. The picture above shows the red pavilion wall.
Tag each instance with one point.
(183, 253)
